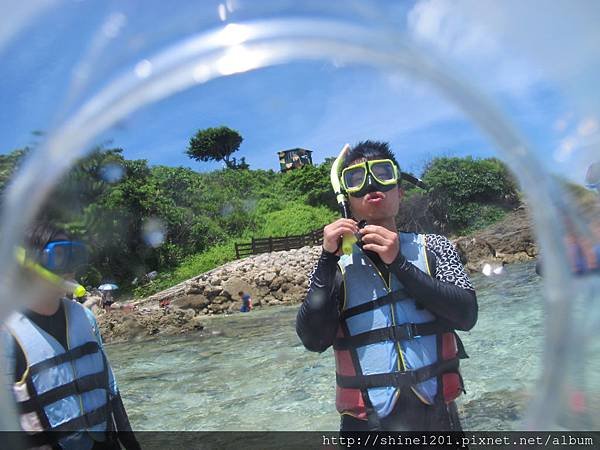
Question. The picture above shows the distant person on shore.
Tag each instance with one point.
(164, 303)
(389, 309)
(107, 300)
(246, 302)
(63, 384)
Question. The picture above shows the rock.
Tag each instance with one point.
(269, 277)
(194, 288)
(119, 325)
(510, 240)
(236, 284)
(212, 290)
(219, 299)
(275, 284)
(474, 251)
(196, 302)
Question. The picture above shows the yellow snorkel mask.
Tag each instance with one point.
(367, 176)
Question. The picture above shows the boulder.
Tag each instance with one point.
(196, 302)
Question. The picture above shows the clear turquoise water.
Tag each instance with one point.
(250, 371)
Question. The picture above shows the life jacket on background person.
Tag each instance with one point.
(66, 391)
(386, 343)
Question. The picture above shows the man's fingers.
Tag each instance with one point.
(343, 229)
(374, 248)
(350, 223)
(342, 222)
(374, 238)
(376, 229)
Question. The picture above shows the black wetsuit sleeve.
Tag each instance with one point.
(449, 295)
(318, 317)
(124, 432)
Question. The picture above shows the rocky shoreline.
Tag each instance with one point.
(281, 278)
(505, 242)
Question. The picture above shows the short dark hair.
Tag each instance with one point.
(241, 293)
(370, 150)
(41, 233)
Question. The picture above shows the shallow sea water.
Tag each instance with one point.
(250, 371)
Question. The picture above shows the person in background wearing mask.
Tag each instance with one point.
(63, 385)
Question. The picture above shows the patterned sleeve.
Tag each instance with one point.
(448, 267)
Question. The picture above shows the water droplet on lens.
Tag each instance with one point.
(143, 69)
(249, 205)
(487, 270)
(492, 269)
(227, 209)
(154, 232)
(112, 172)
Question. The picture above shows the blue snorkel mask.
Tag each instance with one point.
(63, 257)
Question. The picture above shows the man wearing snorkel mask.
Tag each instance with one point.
(389, 305)
(64, 387)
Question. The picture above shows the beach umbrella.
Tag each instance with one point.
(108, 287)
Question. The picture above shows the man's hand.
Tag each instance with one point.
(332, 234)
(381, 241)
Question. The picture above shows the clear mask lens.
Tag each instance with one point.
(355, 177)
(384, 172)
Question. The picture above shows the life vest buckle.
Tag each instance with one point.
(408, 378)
(411, 330)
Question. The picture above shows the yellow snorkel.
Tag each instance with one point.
(76, 289)
(348, 239)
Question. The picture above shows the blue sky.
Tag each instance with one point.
(317, 105)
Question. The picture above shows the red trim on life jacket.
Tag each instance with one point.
(452, 385)
(348, 401)
(449, 346)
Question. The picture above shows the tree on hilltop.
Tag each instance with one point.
(217, 144)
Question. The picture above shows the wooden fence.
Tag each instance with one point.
(275, 244)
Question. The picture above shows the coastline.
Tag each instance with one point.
(281, 278)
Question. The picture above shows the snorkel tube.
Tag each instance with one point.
(76, 289)
(348, 239)
(413, 180)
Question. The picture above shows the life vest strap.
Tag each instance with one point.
(387, 299)
(396, 333)
(75, 353)
(396, 379)
(88, 420)
(75, 387)
(81, 423)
